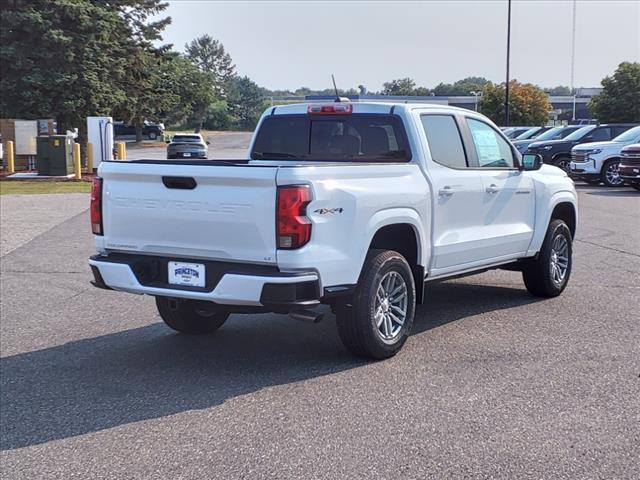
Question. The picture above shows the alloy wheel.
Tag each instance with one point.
(390, 309)
(612, 174)
(559, 259)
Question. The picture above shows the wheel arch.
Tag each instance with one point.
(403, 236)
(566, 212)
(561, 205)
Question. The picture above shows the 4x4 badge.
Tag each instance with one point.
(323, 211)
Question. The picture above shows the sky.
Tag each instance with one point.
(289, 44)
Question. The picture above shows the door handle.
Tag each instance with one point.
(181, 183)
(446, 191)
(493, 188)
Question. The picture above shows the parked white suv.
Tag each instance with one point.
(352, 205)
(599, 161)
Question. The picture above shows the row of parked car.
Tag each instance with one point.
(607, 153)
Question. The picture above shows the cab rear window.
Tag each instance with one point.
(357, 137)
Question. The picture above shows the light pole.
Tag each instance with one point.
(476, 95)
(573, 57)
(506, 96)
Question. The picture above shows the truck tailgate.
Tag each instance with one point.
(193, 211)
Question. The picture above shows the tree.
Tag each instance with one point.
(188, 91)
(246, 102)
(620, 98)
(528, 104)
(402, 86)
(461, 87)
(210, 56)
(71, 59)
(559, 90)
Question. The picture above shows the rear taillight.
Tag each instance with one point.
(293, 228)
(96, 206)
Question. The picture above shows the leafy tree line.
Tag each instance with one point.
(69, 59)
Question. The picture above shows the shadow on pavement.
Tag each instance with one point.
(618, 192)
(150, 372)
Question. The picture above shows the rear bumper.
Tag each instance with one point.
(231, 284)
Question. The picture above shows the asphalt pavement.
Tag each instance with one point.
(493, 383)
(223, 145)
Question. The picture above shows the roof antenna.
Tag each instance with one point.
(335, 88)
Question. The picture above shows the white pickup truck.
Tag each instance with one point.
(354, 205)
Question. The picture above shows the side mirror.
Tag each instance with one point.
(531, 161)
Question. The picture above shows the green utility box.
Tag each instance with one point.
(55, 155)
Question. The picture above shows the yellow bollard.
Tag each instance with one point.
(76, 161)
(122, 150)
(11, 161)
(89, 158)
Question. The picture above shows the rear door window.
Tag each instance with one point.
(356, 137)
(445, 143)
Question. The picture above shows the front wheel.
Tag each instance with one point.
(379, 319)
(563, 163)
(153, 135)
(610, 174)
(547, 275)
(188, 316)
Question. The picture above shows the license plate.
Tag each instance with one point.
(186, 154)
(188, 274)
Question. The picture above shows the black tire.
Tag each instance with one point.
(185, 317)
(562, 163)
(357, 323)
(153, 135)
(538, 273)
(610, 175)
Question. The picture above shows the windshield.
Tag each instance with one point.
(528, 134)
(628, 136)
(186, 139)
(550, 134)
(515, 132)
(366, 137)
(581, 132)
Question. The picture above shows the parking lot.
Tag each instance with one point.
(223, 145)
(494, 383)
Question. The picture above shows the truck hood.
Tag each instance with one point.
(602, 145)
(553, 143)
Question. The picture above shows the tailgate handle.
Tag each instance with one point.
(182, 183)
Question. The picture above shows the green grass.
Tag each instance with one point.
(12, 187)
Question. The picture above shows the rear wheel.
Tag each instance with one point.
(188, 316)
(610, 174)
(378, 321)
(547, 275)
(153, 135)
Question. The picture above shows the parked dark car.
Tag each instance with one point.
(151, 131)
(187, 145)
(558, 152)
(554, 133)
(630, 165)
(513, 132)
(532, 132)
